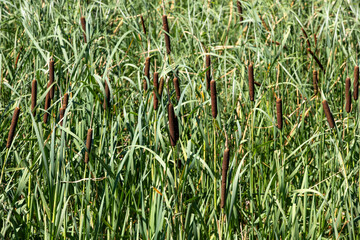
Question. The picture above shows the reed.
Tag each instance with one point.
(279, 113)
(143, 24)
(65, 100)
(51, 78)
(83, 25)
(356, 82)
(166, 33)
(47, 105)
(156, 85)
(177, 88)
(251, 81)
(61, 113)
(147, 73)
(347, 95)
(328, 114)
(315, 81)
(240, 11)
(173, 125)
(225, 167)
(33, 96)
(208, 72)
(106, 103)
(13, 125)
(88, 145)
(213, 93)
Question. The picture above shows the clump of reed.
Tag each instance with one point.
(83, 25)
(51, 78)
(347, 95)
(173, 125)
(166, 33)
(315, 81)
(225, 167)
(213, 93)
(106, 103)
(328, 114)
(13, 125)
(208, 72)
(240, 11)
(143, 24)
(147, 73)
(177, 88)
(47, 105)
(251, 81)
(279, 113)
(88, 145)
(356, 82)
(33, 96)
(155, 91)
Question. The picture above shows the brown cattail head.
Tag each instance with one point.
(106, 103)
(173, 125)
(208, 72)
(143, 24)
(356, 82)
(147, 72)
(51, 77)
(177, 88)
(347, 95)
(83, 25)
(14, 121)
(328, 114)
(88, 145)
(279, 114)
(33, 96)
(213, 98)
(62, 113)
(166, 34)
(65, 100)
(315, 81)
(161, 87)
(156, 86)
(240, 11)
(225, 167)
(251, 81)
(47, 105)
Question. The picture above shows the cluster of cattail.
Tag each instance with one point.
(177, 87)
(173, 125)
(356, 82)
(347, 95)
(83, 25)
(147, 73)
(328, 114)
(225, 167)
(106, 103)
(315, 81)
(33, 96)
(166, 33)
(279, 114)
(88, 145)
(251, 81)
(14, 121)
(213, 98)
(208, 72)
(240, 11)
(143, 24)
(155, 91)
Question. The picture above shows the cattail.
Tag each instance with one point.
(51, 77)
(306, 36)
(88, 144)
(225, 167)
(177, 87)
(17, 58)
(62, 113)
(316, 59)
(251, 81)
(240, 11)
(279, 114)
(33, 96)
(13, 127)
(173, 125)
(47, 105)
(83, 25)
(328, 114)
(156, 83)
(107, 96)
(166, 34)
(347, 95)
(143, 24)
(65, 100)
(356, 82)
(208, 72)
(161, 87)
(315, 81)
(147, 72)
(213, 98)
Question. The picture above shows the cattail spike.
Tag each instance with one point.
(315, 81)
(65, 100)
(356, 82)
(251, 81)
(83, 25)
(279, 114)
(347, 95)
(328, 114)
(213, 98)
(173, 125)
(14, 121)
(106, 103)
(143, 24)
(240, 11)
(33, 96)
(51, 78)
(177, 88)
(88, 145)
(156, 83)
(208, 72)
(166, 34)
(225, 167)
(161, 87)
(62, 113)
(147, 73)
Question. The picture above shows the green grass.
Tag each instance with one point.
(301, 182)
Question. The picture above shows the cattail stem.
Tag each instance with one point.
(328, 114)
(347, 95)
(147, 73)
(208, 72)
(316, 59)
(14, 122)
(47, 105)
(279, 114)
(356, 82)
(155, 91)
(51, 78)
(251, 81)
(177, 88)
(225, 167)
(173, 125)
(213, 98)
(106, 103)
(88, 145)
(240, 11)
(315, 81)
(166, 34)
(83, 25)
(143, 24)
(215, 169)
(33, 96)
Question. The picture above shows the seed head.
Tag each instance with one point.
(14, 121)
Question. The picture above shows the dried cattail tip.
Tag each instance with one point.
(47, 105)
(225, 167)
(328, 114)
(156, 83)
(51, 77)
(88, 145)
(177, 88)
(251, 81)
(147, 73)
(143, 24)
(65, 100)
(107, 96)
(279, 114)
(13, 127)
(213, 98)
(33, 96)
(240, 11)
(166, 34)
(83, 25)
(62, 113)
(356, 82)
(173, 125)
(208, 72)
(161, 87)
(347, 95)
(315, 81)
